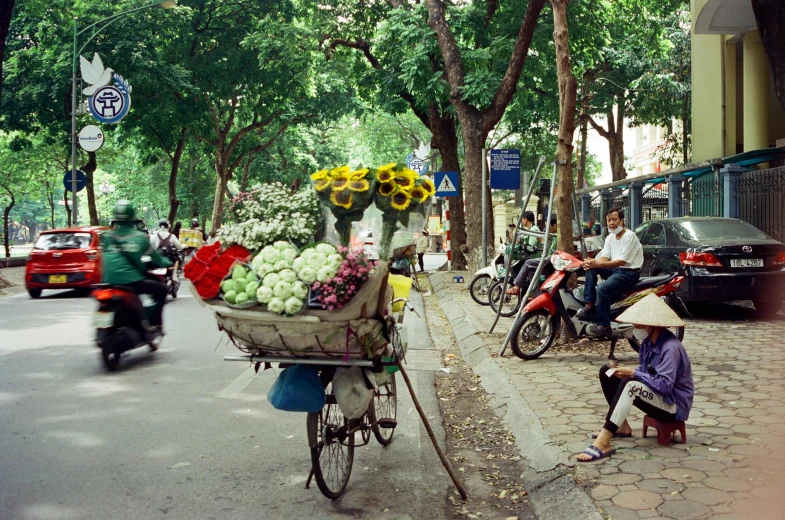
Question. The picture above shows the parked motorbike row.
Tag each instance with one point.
(557, 300)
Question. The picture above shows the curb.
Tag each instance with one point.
(552, 492)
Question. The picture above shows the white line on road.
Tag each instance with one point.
(237, 386)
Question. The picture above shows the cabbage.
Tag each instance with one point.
(264, 294)
(326, 249)
(282, 290)
(271, 279)
(230, 297)
(298, 264)
(289, 255)
(257, 262)
(276, 305)
(227, 285)
(239, 285)
(317, 260)
(307, 274)
(299, 290)
(282, 264)
(325, 273)
(239, 272)
(293, 306)
(271, 255)
(241, 298)
(264, 270)
(282, 245)
(251, 289)
(251, 276)
(307, 253)
(334, 260)
(287, 275)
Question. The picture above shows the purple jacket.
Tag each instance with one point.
(665, 368)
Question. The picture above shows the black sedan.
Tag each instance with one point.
(724, 260)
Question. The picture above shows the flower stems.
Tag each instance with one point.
(389, 225)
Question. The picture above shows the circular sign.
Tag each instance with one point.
(81, 180)
(91, 138)
(109, 104)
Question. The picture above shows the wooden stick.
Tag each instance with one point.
(439, 451)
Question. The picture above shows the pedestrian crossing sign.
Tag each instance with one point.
(446, 184)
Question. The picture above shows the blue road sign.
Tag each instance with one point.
(81, 180)
(505, 169)
(446, 184)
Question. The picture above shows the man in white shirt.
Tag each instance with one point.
(619, 264)
(167, 243)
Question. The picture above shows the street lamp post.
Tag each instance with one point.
(106, 21)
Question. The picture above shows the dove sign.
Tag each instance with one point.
(91, 138)
(107, 103)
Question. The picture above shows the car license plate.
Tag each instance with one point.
(747, 262)
(58, 278)
(103, 320)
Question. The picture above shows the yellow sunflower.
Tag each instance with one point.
(321, 184)
(317, 176)
(340, 182)
(359, 185)
(386, 189)
(428, 186)
(403, 180)
(384, 175)
(341, 170)
(359, 174)
(387, 167)
(418, 194)
(400, 200)
(342, 198)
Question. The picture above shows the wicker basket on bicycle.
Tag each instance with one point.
(356, 331)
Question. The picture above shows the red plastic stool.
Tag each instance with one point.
(665, 431)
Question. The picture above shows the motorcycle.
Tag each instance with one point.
(536, 328)
(486, 278)
(117, 321)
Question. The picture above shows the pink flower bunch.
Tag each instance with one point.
(351, 275)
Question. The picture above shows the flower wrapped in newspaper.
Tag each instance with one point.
(347, 194)
(399, 192)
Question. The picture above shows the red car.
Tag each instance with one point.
(64, 259)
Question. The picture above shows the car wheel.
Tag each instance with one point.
(766, 309)
(34, 293)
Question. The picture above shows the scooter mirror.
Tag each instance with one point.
(146, 258)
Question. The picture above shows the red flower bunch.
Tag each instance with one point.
(351, 275)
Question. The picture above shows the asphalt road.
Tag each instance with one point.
(180, 433)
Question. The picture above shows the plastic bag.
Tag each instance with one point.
(297, 389)
(353, 392)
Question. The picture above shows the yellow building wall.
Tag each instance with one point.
(707, 121)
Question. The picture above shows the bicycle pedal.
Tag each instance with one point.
(387, 423)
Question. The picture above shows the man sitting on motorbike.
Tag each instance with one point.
(123, 248)
(619, 264)
(166, 243)
(530, 265)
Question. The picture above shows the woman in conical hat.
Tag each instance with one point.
(661, 385)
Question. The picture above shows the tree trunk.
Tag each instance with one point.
(6, 10)
(770, 14)
(568, 88)
(584, 131)
(67, 209)
(6, 219)
(50, 199)
(473, 143)
(174, 204)
(89, 170)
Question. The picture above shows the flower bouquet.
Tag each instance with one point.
(399, 192)
(352, 272)
(347, 194)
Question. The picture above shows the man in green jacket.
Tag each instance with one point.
(530, 265)
(122, 264)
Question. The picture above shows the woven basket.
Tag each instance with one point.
(352, 331)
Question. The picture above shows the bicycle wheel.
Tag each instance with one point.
(479, 288)
(332, 447)
(383, 412)
(510, 303)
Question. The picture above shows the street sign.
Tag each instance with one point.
(81, 180)
(415, 163)
(91, 138)
(446, 184)
(505, 169)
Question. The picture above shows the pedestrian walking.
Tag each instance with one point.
(422, 247)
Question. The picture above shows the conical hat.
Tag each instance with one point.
(651, 311)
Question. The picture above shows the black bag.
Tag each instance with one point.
(166, 247)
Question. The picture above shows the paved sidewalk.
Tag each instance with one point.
(733, 464)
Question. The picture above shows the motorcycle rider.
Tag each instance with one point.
(619, 264)
(166, 242)
(530, 265)
(121, 262)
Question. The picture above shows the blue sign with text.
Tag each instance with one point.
(81, 180)
(446, 184)
(505, 169)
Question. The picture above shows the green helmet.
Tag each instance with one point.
(124, 211)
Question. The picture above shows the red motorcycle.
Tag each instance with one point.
(536, 327)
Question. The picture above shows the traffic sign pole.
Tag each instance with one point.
(484, 207)
(74, 208)
(447, 231)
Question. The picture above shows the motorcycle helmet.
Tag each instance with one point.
(124, 211)
(164, 223)
(194, 222)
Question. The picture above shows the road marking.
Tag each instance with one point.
(237, 386)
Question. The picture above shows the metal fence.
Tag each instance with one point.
(654, 201)
(702, 197)
(761, 196)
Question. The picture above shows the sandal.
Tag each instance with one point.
(596, 454)
(513, 291)
(616, 436)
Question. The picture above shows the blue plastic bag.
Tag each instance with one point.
(297, 389)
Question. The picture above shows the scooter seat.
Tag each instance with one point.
(652, 281)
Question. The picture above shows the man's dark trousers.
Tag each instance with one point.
(618, 282)
(158, 291)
